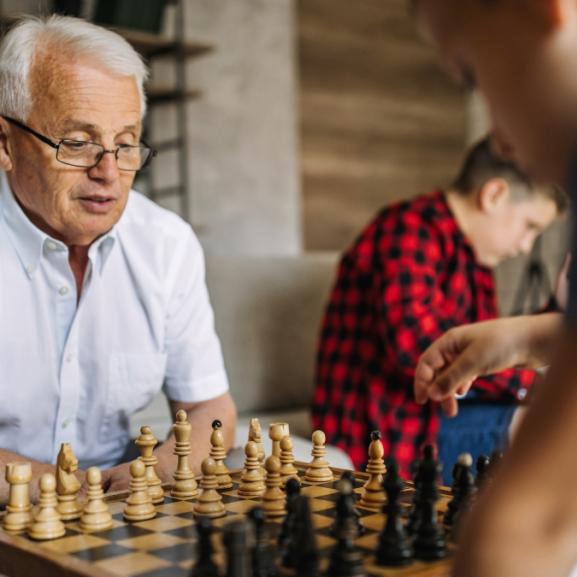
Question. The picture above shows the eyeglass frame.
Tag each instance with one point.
(56, 146)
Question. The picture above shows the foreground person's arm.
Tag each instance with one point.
(525, 524)
(454, 361)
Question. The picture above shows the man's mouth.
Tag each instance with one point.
(97, 204)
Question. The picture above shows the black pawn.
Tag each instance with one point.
(205, 566)
(236, 543)
(346, 560)
(482, 467)
(414, 519)
(463, 488)
(262, 556)
(429, 543)
(426, 478)
(292, 490)
(347, 518)
(394, 546)
(302, 554)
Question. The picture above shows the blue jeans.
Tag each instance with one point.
(478, 429)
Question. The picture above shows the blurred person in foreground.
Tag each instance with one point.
(522, 57)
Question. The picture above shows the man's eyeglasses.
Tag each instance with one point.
(85, 154)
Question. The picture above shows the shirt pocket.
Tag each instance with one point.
(133, 381)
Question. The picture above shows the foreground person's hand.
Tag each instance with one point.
(451, 364)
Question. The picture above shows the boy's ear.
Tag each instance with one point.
(5, 154)
(492, 195)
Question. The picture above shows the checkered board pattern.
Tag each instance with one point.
(166, 545)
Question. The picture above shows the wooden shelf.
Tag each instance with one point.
(148, 44)
(160, 95)
(153, 45)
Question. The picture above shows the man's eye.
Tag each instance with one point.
(76, 145)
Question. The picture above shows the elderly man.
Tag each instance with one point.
(102, 300)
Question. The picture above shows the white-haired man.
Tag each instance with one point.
(102, 299)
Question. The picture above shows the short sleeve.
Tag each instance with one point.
(195, 367)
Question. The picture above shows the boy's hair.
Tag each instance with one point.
(482, 164)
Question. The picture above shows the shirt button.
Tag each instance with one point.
(69, 357)
(522, 394)
(51, 245)
(63, 290)
(66, 423)
(30, 269)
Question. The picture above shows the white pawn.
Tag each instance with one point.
(185, 485)
(146, 443)
(318, 470)
(18, 510)
(47, 523)
(96, 515)
(218, 454)
(251, 479)
(277, 432)
(273, 500)
(373, 496)
(139, 506)
(209, 503)
(287, 459)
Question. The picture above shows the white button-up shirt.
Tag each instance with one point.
(76, 372)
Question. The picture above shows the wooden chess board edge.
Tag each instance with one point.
(19, 556)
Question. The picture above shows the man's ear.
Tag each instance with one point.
(5, 152)
(492, 195)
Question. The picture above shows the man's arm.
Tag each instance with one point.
(38, 469)
(454, 361)
(200, 415)
(532, 504)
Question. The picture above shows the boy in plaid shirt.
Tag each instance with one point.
(419, 268)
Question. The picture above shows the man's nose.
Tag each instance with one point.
(107, 167)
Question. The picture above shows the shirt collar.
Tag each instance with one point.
(30, 242)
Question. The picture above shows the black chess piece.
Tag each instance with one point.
(494, 462)
(205, 566)
(292, 490)
(236, 542)
(346, 560)
(301, 550)
(463, 488)
(429, 543)
(347, 517)
(413, 521)
(394, 548)
(426, 480)
(263, 563)
(482, 467)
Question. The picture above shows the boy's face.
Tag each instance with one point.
(509, 228)
(521, 54)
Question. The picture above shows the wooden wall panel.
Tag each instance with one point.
(379, 120)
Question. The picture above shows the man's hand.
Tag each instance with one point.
(117, 478)
(451, 364)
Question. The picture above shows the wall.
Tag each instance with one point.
(243, 131)
(379, 120)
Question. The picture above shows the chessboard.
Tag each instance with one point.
(166, 545)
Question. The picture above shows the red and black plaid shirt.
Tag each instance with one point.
(409, 277)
